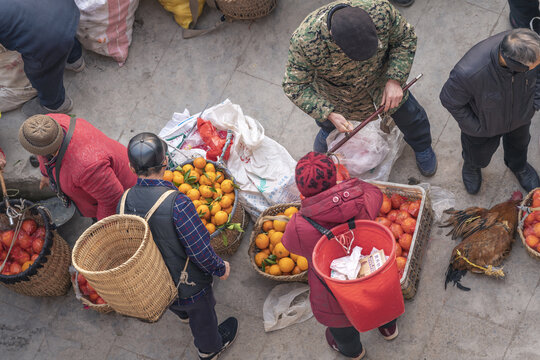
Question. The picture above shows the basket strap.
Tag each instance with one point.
(329, 234)
(123, 202)
(158, 202)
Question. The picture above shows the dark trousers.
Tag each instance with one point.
(477, 151)
(202, 321)
(410, 118)
(48, 79)
(523, 11)
(348, 339)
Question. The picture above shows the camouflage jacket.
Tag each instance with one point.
(321, 79)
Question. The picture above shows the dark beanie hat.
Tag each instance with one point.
(315, 172)
(353, 31)
(41, 135)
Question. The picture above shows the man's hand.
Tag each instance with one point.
(339, 121)
(227, 271)
(392, 95)
(44, 182)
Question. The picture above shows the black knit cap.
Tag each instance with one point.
(146, 151)
(353, 31)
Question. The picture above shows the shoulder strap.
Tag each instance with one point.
(194, 8)
(158, 202)
(123, 202)
(62, 152)
(321, 228)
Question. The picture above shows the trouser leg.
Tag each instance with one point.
(522, 11)
(75, 53)
(347, 340)
(477, 151)
(412, 120)
(319, 145)
(515, 144)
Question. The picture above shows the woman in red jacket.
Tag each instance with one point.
(330, 204)
(94, 172)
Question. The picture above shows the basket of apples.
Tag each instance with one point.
(87, 294)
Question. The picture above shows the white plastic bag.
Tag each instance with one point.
(347, 266)
(15, 88)
(286, 304)
(106, 26)
(441, 199)
(370, 153)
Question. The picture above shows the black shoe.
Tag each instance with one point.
(403, 3)
(472, 178)
(228, 331)
(528, 178)
(34, 161)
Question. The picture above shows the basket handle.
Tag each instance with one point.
(123, 202)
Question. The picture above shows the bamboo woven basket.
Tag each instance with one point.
(409, 280)
(526, 204)
(49, 274)
(100, 308)
(119, 259)
(252, 250)
(226, 241)
(245, 9)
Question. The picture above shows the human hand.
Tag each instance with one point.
(227, 271)
(339, 121)
(392, 95)
(43, 183)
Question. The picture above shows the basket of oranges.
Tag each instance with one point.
(213, 192)
(267, 254)
(529, 223)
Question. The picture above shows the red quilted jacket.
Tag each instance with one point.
(95, 169)
(351, 198)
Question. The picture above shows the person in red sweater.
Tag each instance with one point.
(330, 204)
(94, 172)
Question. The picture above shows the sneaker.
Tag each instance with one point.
(332, 342)
(528, 178)
(389, 333)
(426, 162)
(76, 66)
(403, 3)
(184, 318)
(472, 178)
(33, 161)
(33, 107)
(228, 331)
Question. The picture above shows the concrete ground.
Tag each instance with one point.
(244, 61)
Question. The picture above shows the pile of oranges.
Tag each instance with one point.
(272, 257)
(210, 191)
(531, 225)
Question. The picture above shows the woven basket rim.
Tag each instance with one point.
(525, 203)
(85, 236)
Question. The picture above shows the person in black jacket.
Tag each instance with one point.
(43, 31)
(492, 92)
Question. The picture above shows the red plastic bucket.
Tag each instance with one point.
(373, 300)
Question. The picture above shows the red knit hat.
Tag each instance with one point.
(315, 172)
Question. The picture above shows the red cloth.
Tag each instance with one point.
(351, 198)
(95, 169)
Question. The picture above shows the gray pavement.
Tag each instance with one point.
(244, 61)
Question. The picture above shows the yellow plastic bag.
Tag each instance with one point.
(181, 10)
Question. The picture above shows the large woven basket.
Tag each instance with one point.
(120, 260)
(410, 278)
(526, 204)
(245, 9)
(49, 274)
(252, 250)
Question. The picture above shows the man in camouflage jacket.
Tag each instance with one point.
(326, 79)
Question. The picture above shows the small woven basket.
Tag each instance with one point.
(252, 250)
(119, 259)
(49, 274)
(526, 203)
(101, 308)
(245, 9)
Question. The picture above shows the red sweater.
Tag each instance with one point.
(95, 169)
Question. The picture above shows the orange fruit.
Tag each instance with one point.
(267, 269)
(405, 241)
(296, 270)
(401, 262)
(275, 270)
(204, 221)
(271, 247)
(210, 227)
(27, 264)
(266, 251)
(204, 212)
(280, 251)
(184, 188)
(210, 168)
(198, 171)
(207, 178)
(262, 241)
(197, 203)
(271, 232)
(276, 237)
(213, 220)
(199, 162)
(267, 225)
(215, 208)
(286, 264)
(168, 175)
(193, 194)
(217, 194)
(259, 257)
(225, 202)
(302, 263)
(227, 186)
(279, 225)
(221, 217)
(531, 240)
(293, 256)
(290, 211)
(194, 174)
(187, 167)
(178, 178)
(228, 210)
(219, 177)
